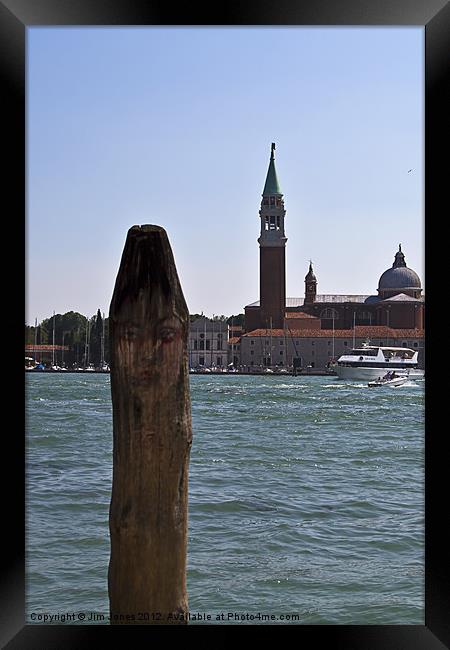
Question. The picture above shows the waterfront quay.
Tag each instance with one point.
(46, 371)
(222, 373)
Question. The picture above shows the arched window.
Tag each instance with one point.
(329, 312)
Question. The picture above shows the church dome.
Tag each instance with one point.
(399, 276)
(399, 279)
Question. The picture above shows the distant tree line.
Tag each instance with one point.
(87, 338)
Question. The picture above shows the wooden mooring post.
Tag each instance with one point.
(152, 431)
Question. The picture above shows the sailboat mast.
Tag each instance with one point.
(354, 322)
(102, 362)
(35, 339)
(333, 338)
(212, 341)
(89, 342)
(204, 345)
(53, 346)
(86, 343)
(270, 351)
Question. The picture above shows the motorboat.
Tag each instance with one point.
(390, 379)
(369, 361)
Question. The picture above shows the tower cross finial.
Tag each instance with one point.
(272, 149)
(399, 258)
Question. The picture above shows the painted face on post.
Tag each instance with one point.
(150, 351)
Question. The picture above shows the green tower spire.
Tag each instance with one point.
(272, 185)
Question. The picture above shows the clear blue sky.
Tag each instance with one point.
(172, 126)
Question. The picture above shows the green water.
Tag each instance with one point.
(306, 500)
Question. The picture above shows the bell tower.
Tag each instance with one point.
(310, 286)
(272, 248)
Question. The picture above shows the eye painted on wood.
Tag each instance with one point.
(130, 332)
(167, 334)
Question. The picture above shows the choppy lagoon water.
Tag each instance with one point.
(306, 499)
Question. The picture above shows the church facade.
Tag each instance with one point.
(395, 313)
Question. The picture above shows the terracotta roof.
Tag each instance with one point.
(299, 314)
(44, 348)
(234, 340)
(384, 331)
(361, 331)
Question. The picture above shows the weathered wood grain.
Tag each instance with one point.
(149, 326)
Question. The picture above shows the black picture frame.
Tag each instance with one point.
(434, 16)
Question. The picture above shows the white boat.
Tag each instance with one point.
(370, 361)
(391, 379)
